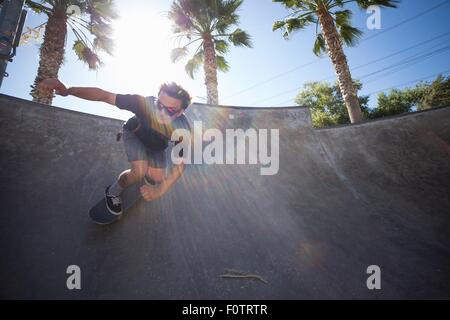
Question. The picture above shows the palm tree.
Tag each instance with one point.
(335, 29)
(207, 23)
(89, 20)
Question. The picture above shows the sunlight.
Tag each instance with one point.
(141, 60)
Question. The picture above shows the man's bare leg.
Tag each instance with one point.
(156, 175)
(129, 177)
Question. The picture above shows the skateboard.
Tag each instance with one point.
(100, 214)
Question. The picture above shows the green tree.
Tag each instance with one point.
(395, 102)
(207, 24)
(335, 29)
(423, 96)
(89, 20)
(327, 103)
(398, 101)
(437, 94)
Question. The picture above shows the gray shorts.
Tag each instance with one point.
(136, 151)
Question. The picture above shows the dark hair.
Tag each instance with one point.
(175, 91)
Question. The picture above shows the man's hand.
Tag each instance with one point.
(152, 193)
(53, 84)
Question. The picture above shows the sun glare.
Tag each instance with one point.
(141, 58)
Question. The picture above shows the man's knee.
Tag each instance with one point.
(138, 170)
(155, 175)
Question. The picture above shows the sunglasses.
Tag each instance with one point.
(168, 110)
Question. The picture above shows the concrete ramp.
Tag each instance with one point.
(344, 199)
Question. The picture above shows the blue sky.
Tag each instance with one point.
(270, 74)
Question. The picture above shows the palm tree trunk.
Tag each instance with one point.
(339, 61)
(51, 55)
(210, 68)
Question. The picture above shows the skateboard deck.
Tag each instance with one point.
(100, 214)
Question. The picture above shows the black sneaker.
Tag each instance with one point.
(113, 203)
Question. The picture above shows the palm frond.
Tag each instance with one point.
(101, 29)
(85, 54)
(293, 24)
(319, 45)
(194, 64)
(343, 17)
(350, 35)
(105, 44)
(38, 7)
(223, 24)
(228, 8)
(364, 4)
(178, 53)
(102, 9)
(240, 38)
(227, 15)
(222, 64)
(221, 46)
(277, 25)
(290, 3)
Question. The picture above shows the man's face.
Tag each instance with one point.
(169, 108)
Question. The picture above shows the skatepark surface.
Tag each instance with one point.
(345, 198)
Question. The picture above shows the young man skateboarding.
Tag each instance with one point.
(146, 136)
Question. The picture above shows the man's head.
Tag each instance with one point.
(173, 100)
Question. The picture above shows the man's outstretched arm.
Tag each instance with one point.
(87, 93)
